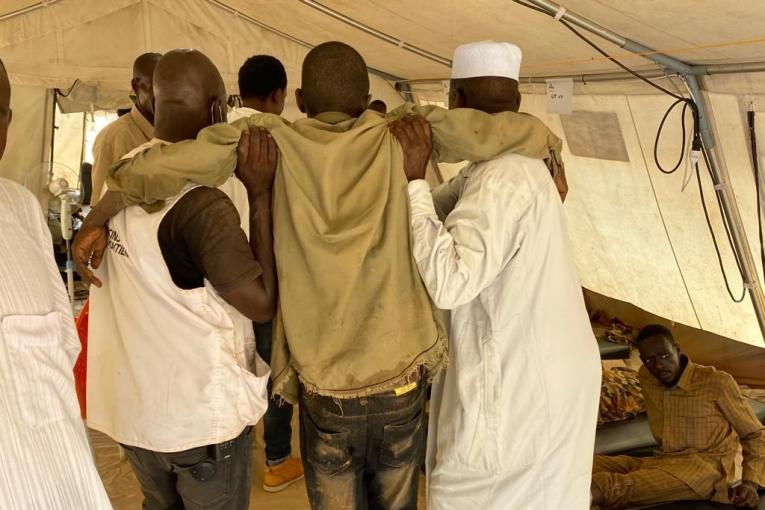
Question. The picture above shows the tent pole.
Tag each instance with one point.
(33, 7)
(377, 33)
(253, 21)
(745, 67)
(716, 159)
(720, 171)
(578, 78)
(708, 70)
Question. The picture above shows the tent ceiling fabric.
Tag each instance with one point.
(96, 41)
(697, 31)
(440, 26)
(11, 6)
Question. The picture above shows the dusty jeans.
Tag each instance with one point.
(363, 453)
(215, 477)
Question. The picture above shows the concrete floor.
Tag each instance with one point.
(125, 493)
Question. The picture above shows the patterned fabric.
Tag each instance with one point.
(627, 482)
(705, 413)
(621, 397)
(700, 425)
(620, 333)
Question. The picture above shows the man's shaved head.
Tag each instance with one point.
(143, 71)
(5, 107)
(335, 79)
(490, 94)
(189, 95)
(144, 65)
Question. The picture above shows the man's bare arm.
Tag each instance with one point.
(91, 241)
(257, 300)
(108, 207)
(256, 168)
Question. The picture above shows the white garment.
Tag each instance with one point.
(240, 112)
(487, 58)
(168, 369)
(517, 407)
(45, 459)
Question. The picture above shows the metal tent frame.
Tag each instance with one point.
(717, 165)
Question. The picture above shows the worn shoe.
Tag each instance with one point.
(278, 478)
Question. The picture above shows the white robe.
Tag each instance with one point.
(513, 419)
(46, 462)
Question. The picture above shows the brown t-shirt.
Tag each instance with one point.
(201, 238)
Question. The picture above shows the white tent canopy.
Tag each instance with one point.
(637, 237)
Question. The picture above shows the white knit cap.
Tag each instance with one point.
(487, 58)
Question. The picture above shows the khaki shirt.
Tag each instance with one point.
(114, 141)
(354, 316)
(705, 415)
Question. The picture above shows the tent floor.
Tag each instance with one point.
(125, 493)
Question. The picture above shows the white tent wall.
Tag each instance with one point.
(27, 139)
(743, 361)
(88, 47)
(96, 41)
(686, 229)
(68, 143)
(639, 238)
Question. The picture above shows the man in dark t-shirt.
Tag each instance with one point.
(185, 417)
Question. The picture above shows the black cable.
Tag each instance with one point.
(696, 145)
(661, 129)
(757, 186)
(714, 236)
(66, 94)
(722, 211)
(612, 59)
(687, 102)
(604, 53)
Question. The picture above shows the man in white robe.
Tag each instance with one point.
(46, 462)
(513, 419)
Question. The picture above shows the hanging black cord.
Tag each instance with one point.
(66, 94)
(681, 157)
(757, 185)
(714, 236)
(696, 145)
(687, 103)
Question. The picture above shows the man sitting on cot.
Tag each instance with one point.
(700, 420)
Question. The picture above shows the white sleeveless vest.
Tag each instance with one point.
(168, 369)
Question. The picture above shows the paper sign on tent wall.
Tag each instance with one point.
(560, 96)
